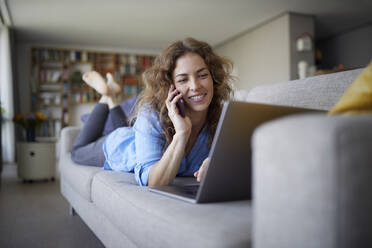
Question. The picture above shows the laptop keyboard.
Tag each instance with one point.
(189, 189)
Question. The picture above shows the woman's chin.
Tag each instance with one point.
(197, 109)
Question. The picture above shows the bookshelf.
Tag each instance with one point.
(56, 80)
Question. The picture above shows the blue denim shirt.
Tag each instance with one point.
(136, 149)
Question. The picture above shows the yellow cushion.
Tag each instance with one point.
(358, 97)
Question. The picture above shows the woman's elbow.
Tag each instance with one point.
(156, 179)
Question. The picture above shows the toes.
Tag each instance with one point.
(112, 84)
(95, 80)
(86, 76)
(109, 76)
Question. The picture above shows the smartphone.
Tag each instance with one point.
(181, 107)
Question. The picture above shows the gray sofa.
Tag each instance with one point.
(306, 191)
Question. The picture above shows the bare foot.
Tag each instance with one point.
(96, 81)
(114, 87)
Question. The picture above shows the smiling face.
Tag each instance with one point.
(194, 81)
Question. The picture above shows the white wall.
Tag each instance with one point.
(267, 54)
(262, 55)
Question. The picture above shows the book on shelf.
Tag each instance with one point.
(123, 59)
(84, 56)
(50, 128)
(50, 87)
(82, 97)
(50, 76)
(50, 98)
(66, 87)
(72, 56)
(130, 80)
(65, 102)
(145, 62)
(117, 76)
(132, 59)
(49, 54)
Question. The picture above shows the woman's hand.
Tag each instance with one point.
(200, 173)
(181, 125)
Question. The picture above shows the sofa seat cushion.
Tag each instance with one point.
(153, 220)
(78, 176)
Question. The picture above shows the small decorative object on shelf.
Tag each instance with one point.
(30, 123)
(304, 42)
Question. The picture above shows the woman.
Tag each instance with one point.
(162, 144)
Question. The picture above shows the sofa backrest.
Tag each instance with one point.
(318, 92)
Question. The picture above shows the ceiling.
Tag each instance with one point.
(151, 24)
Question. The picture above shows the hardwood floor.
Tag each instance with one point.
(36, 215)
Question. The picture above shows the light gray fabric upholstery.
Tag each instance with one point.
(78, 176)
(312, 182)
(153, 220)
(68, 135)
(95, 219)
(320, 92)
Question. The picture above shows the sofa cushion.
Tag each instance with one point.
(314, 187)
(319, 92)
(78, 176)
(152, 220)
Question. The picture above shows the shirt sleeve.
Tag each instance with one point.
(149, 143)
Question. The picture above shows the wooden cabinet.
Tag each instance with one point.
(56, 80)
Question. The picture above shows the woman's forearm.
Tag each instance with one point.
(165, 170)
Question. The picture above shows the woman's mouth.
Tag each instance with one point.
(197, 98)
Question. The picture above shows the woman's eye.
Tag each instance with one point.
(203, 75)
(182, 80)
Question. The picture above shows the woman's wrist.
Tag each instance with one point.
(183, 136)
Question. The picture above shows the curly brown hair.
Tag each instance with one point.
(158, 79)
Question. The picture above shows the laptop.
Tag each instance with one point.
(228, 176)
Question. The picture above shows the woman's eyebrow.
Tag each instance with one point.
(202, 69)
(181, 74)
(185, 74)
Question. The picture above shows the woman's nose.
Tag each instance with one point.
(194, 84)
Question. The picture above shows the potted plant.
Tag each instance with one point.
(30, 122)
(2, 110)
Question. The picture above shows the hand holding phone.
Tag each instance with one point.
(181, 107)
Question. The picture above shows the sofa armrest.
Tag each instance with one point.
(68, 136)
(312, 182)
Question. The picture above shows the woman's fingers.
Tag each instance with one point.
(171, 94)
(181, 125)
(200, 176)
(173, 97)
(176, 98)
(200, 173)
